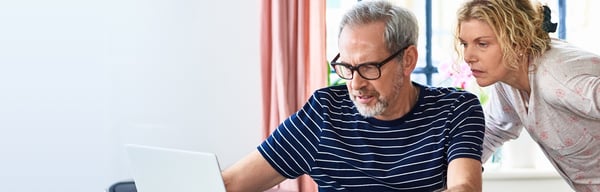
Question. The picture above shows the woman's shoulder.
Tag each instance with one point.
(563, 53)
(564, 59)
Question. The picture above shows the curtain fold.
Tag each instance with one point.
(293, 64)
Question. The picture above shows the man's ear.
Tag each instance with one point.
(409, 60)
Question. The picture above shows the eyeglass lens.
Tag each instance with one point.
(367, 71)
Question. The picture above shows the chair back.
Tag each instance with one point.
(123, 186)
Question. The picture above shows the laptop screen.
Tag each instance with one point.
(158, 169)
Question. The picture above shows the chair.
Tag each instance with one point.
(123, 186)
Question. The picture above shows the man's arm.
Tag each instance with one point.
(251, 173)
(464, 174)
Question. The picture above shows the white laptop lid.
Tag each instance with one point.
(157, 169)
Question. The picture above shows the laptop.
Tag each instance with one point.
(158, 169)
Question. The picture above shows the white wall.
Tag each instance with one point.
(80, 78)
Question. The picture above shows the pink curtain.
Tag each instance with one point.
(293, 64)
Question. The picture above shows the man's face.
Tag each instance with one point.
(365, 44)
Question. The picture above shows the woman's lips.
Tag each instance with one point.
(476, 73)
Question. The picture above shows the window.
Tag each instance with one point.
(435, 35)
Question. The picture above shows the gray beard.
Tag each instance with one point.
(367, 111)
(382, 104)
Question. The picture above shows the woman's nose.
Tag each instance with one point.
(469, 57)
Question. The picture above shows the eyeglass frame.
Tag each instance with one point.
(378, 65)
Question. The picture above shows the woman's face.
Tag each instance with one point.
(482, 52)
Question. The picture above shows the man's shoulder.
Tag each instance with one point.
(447, 92)
(336, 90)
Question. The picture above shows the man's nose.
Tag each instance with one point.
(357, 82)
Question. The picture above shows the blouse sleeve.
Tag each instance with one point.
(502, 123)
(570, 79)
(577, 87)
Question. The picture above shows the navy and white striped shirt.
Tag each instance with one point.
(341, 150)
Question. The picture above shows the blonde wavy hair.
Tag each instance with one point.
(517, 25)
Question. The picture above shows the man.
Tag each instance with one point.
(381, 132)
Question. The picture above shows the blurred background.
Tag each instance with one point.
(78, 79)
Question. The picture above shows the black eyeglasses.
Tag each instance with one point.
(369, 71)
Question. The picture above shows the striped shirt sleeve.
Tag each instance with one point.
(291, 147)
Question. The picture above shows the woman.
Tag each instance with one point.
(545, 85)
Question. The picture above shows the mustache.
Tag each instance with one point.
(354, 95)
(359, 92)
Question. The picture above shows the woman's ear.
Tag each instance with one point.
(409, 60)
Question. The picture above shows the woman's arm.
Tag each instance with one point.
(502, 123)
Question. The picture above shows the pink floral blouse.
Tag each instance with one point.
(562, 113)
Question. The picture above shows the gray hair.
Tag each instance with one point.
(401, 27)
